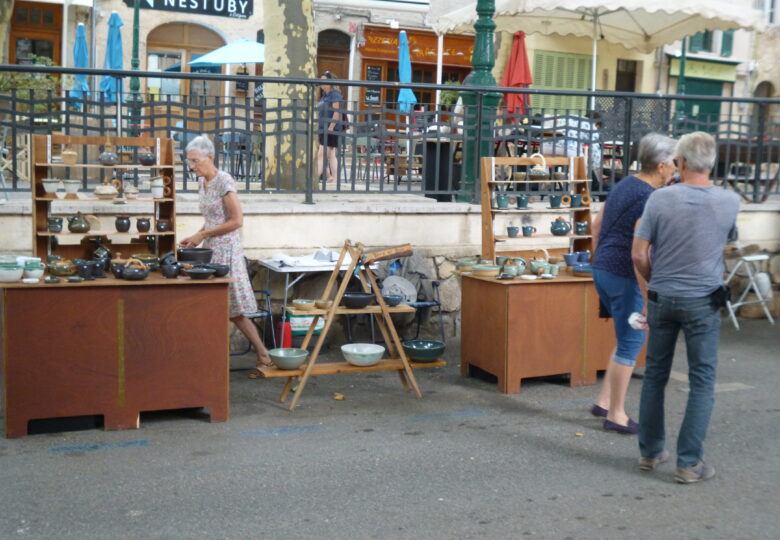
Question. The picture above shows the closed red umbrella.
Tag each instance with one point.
(517, 75)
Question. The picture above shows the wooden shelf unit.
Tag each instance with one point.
(361, 261)
(577, 182)
(159, 209)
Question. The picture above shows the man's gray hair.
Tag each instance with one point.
(699, 151)
(202, 145)
(655, 148)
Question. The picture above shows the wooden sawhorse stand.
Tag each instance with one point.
(359, 266)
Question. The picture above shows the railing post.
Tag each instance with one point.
(759, 152)
(309, 144)
(627, 135)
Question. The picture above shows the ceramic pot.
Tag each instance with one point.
(71, 187)
(170, 270)
(69, 156)
(108, 157)
(118, 269)
(521, 265)
(539, 267)
(581, 227)
(78, 224)
(131, 192)
(54, 224)
(122, 223)
(106, 191)
(143, 224)
(512, 231)
(510, 268)
(147, 158)
(528, 230)
(522, 201)
(559, 227)
(163, 225)
(502, 201)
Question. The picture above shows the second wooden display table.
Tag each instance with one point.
(515, 329)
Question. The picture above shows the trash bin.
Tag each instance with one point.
(436, 174)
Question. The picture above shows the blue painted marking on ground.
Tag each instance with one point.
(98, 446)
(445, 415)
(287, 430)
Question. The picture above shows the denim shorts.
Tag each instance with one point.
(622, 297)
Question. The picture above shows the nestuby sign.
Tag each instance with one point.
(238, 9)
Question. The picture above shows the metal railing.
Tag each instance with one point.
(269, 144)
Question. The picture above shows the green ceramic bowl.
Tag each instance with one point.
(362, 354)
(422, 350)
(288, 358)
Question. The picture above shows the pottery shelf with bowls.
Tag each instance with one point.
(157, 155)
(575, 184)
(360, 266)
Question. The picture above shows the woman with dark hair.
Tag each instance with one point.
(330, 124)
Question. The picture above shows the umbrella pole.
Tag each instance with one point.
(118, 108)
(593, 62)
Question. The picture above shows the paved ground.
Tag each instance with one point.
(464, 462)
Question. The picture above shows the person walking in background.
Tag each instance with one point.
(329, 127)
(223, 218)
(614, 276)
(678, 249)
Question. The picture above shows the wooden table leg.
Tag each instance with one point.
(121, 420)
(286, 389)
(403, 380)
(219, 413)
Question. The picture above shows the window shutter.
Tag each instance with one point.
(561, 71)
(727, 43)
(697, 42)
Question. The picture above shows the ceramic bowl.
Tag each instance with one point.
(170, 270)
(323, 303)
(357, 300)
(134, 274)
(305, 305)
(392, 300)
(362, 354)
(194, 255)
(288, 358)
(33, 273)
(220, 270)
(571, 258)
(486, 270)
(71, 186)
(423, 350)
(199, 272)
(61, 269)
(50, 185)
(11, 272)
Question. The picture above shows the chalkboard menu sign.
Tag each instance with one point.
(373, 73)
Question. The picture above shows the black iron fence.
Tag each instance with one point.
(268, 139)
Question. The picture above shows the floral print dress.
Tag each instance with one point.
(227, 247)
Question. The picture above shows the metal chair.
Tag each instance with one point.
(420, 306)
(747, 263)
(264, 312)
(232, 148)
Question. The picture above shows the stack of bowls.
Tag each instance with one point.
(10, 269)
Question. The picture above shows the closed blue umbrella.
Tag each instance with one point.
(114, 58)
(80, 60)
(406, 97)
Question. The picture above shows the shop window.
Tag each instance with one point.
(561, 71)
(625, 76)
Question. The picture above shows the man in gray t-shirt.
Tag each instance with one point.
(678, 249)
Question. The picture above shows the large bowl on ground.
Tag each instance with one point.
(194, 255)
(288, 358)
(199, 272)
(357, 300)
(423, 350)
(362, 354)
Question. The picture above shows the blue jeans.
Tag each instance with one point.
(622, 297)
(700, 323)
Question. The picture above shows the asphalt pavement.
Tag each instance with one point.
(463, 462)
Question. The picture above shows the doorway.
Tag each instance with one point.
(333, 55)
(702, 115)
(36, 31)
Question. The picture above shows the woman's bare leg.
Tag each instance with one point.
(333, 164)
(249, 329)
(320, 162)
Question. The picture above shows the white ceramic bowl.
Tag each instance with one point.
(11, 273)
(33, 273)
(71, 186)
(51, 185)
(362, 354)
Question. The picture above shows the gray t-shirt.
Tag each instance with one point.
(688, 227)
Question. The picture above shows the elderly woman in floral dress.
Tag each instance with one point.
(221, 211)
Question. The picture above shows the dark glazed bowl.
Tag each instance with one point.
(220, 270)
(135, 274)
(199, 272)
(194, 255)
(357, 300)
(392, 300)
(170, 270)
(421, 350)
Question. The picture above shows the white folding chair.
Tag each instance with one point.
(750, 264)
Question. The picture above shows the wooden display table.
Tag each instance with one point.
(114, 348)
(516, 329)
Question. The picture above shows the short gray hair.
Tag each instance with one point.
(655, 148)
(202, 145)
(699, 151)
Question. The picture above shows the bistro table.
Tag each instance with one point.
(114, 348)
